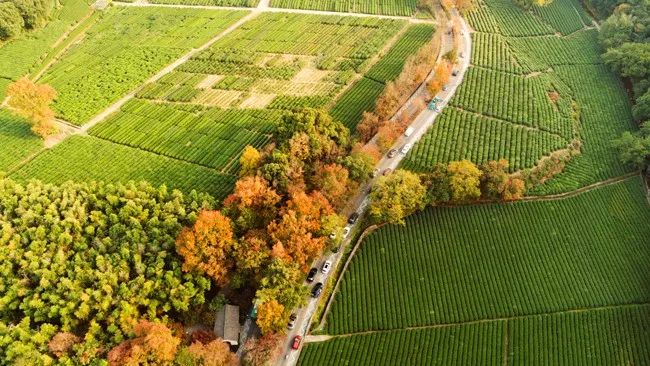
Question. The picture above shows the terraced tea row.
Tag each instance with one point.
(594, 337)
(84, 159)
(122, 50)
(16, 140)
(450, 265)
(385, 7)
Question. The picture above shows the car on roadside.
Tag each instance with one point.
(352, 219)
(392, 153)
(375, 173)
(405, 149)
(387, 171)
(312, 274)
(332, 236)
(317, 289)
(461, 55)
(292, 321)
(326, 267)
(296, 342)
(454, 73)
(445, 87)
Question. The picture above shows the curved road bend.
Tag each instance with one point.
(420, 126)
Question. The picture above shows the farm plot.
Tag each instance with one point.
(85, 159)
(470, 263)
(594, 337)
(123, 49)
(16, 140)
(359, 98)
(384, 7)
(21, 56)
(543, 80)
(566, 16)
(488, 139)
(206, 136)
(241, 3)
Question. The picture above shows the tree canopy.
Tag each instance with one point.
(90, 259)
(397, 195)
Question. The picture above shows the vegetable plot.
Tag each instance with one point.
(385, 7)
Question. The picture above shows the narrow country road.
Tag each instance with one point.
(419, 126)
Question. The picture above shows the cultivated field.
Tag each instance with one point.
(16, 140)
(537, 84)
(122, 50)
(85, 159)
(474, 268)
(598, 337)
(384, 7)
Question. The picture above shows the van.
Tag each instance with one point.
(409, 131)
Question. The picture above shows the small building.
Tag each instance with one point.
(226, 324)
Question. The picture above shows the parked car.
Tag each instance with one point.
(461, 55)
(326, 267)
(336, 249)
(353, 218)
(296, 342)
(346, 232)
(405, 148)
(391, 153)
(292, 321)
(332, 236)
(454, 73)
(387, 171)
(317, 289)
(312, 274)
(445, 87)
(375, 172)
(409, 131)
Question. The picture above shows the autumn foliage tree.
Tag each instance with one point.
(249, 161)
(214, 353)
(441, 76)
(464, 180)
(32, 102)
(207, 246)
(271, 317)
(397, 195)
(332, 180)
(153, 344)
(253, 203)
(263, 351)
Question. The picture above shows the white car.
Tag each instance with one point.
(405, 148)
(326, 267)
(346, 232)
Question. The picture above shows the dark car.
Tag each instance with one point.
(391, 153)
(292, 321)
(312, 274)
(318, 288)
(353, 218)
(387, 171)
(455, 73)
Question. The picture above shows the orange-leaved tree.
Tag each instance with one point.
(332, 180)
(32, 102)
(252, 204)
(207, 246)
(215, 353)
(154, 344)
(271, 317)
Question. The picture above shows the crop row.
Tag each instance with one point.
(357, 99)
(462, 135)
(512, 21)
(518, 99)
(469, 263)
(384, 7)
(16, 139)
(390, 66)
(492, 51)
(85, 159)
(242, 3)
(604, 114)
(210, 139)
(124, 48)
(566, 16)
(619, 335)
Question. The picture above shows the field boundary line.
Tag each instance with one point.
(17, 166)
(505, 342)
(270, 9)
(487, 320)
(603, 183)
(169, 68)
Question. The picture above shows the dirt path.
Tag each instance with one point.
(559, 196)
(326, 337)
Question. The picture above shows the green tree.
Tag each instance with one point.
(464, 180)
(11, 22)
(630, 59)
(494, 179)
(396, 196)
(634, 149)
(438, 183)
(34, 12)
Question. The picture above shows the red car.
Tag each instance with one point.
(296, 342)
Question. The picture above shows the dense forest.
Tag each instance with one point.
(19, 15)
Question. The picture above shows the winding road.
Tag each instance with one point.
(419, 126)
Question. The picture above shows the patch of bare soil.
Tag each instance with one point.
(209, 81)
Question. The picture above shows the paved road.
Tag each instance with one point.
(420, 125)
